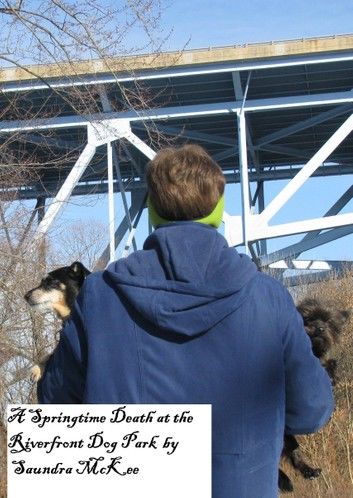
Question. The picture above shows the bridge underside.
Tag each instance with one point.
(267, 119)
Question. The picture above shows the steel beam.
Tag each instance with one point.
(136, 166)
(148, 152)
(66, 189)
(241, 97)
(263, 232)
(99, 186)
(293, 102)
(284, 151)
(323, 153)
(123, 227)
(238, 89)
(318, 276)
(286, 173)
(219, 108)
(303, 125)
(259, 194)
(193, 135)
(57, 143)
(131, 237)
(306, 245)
(225, 154)
(258, 231)
(244, 178)
(40, 206)
(302, 264)
(113, 158)
(261, 207)
(123, 193)
(140, 145)
(336, 208)
(111, 208)
(107, 107)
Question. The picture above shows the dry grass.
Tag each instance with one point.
(332, 450)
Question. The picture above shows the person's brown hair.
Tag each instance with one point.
(184, 183)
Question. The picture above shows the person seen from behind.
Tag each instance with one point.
(188, 319)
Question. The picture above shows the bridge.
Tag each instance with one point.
(265, 112)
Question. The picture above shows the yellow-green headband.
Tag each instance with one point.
(214, 218)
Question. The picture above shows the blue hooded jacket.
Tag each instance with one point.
(189, 320)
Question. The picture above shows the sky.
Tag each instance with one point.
(204, 23)
(228, 22)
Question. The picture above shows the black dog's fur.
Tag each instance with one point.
(56, 292)
(323, 324)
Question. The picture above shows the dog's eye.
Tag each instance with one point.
(321, 329)
(53, 283)
(50, 283)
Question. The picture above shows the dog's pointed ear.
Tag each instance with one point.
(78, 270)
(345, 315)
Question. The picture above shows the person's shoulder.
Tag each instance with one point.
(93, 281)
(272, 287)
(93, 278)
(270, 282)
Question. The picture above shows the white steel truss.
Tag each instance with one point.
(256, 227)
(248, 229)
(104, 123)
(65, 191)
(238, 230)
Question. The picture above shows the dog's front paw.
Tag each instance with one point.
(35, 373)
(310, 473)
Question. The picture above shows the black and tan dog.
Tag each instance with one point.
(323, 323)
(56, 292)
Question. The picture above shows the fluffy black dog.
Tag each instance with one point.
(323, 323)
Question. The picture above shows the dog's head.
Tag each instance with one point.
(323, 323)
(58, 290)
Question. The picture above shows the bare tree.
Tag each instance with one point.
(81, 241)
(66, 37)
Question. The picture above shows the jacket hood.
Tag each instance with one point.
(185, 280)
